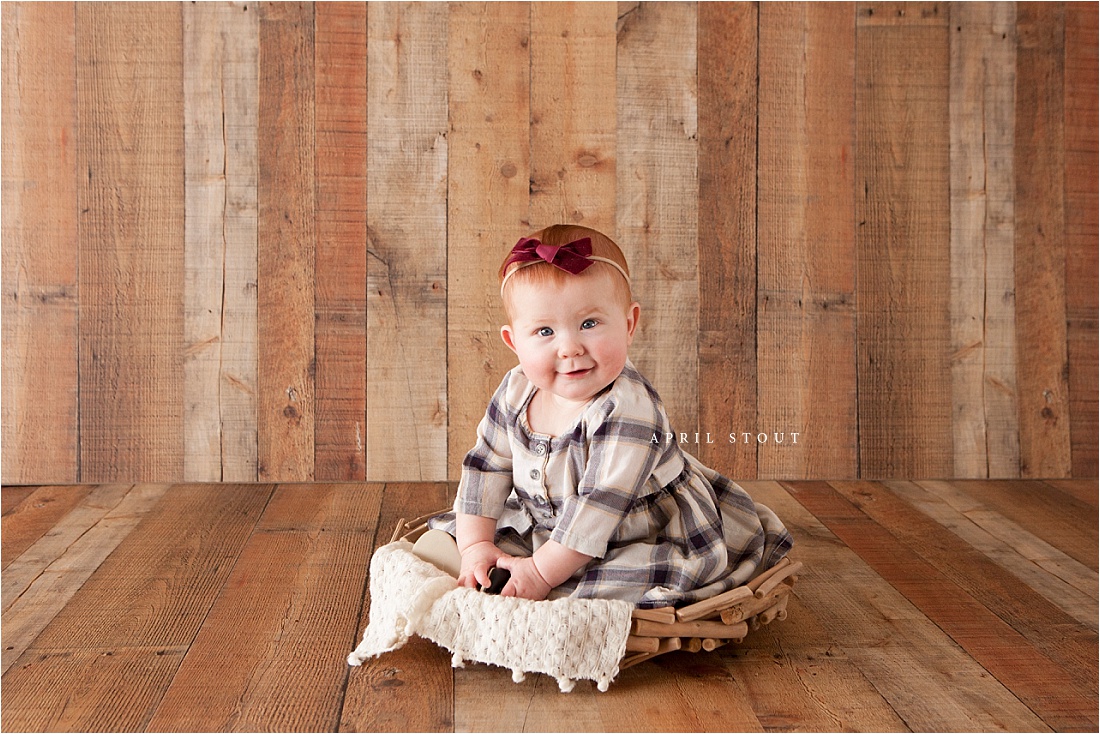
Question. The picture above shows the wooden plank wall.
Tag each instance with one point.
(257, 242)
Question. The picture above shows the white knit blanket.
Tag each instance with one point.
(569, 639)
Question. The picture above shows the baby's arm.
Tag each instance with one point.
(475, 535)
(534, 577)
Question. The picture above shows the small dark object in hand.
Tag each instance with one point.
(498, 577)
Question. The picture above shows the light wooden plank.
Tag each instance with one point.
(187, 544)
(1047, 688)
(983, 319)
(98, 689)
(284, 620)
(35, 516)
(1040, 243)
(903, 241)
(286, 245)
(536, 704)
(51, 546)
(572, 128)
(406, 433)
(129, 72)
(39, 232)
(221, 50)
(806, 322)
(410, 689)
(1072, 601)
(488, 184)
(657, 195)
(929, 681)
(726, 344)
(1061, 520)
(341, 221)
(1082, 120)
(54, 585)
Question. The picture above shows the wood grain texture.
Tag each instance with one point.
(287, 245)
(59, 564)
(806, 290)
(572, 128)
(930, 684)
(657, 195)
(293, 598)
(221, 50)
(985, 426)
(1040, 243)
(903, 241)
(407, 233)
(40, 276)
(1082, 120)
(129, 72)
(488, 191)
(341, 255)
(413, 688)
(727, 242)
(34, 516)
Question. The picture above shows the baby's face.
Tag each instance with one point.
(571, 339)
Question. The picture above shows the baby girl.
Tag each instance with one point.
(567, 487)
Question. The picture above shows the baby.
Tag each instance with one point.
(566, 487)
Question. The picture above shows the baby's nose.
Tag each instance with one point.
(570, 348)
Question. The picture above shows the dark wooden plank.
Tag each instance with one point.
(39, 231)
(283, 624)
(285, 277)
(129, 72)
(35, 516)
(410, 689)
(1041, 365)
(188, 543)
(488, 190)
(98, 689)
(1046, 687)
(1084, 490)
(1046, 627)
(1063, 521)
(727, 84)
(902, 241)
(806, 289)
(341, 256)
(1082, 120)
(10, 497)
(921, 673)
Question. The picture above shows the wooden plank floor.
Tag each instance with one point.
(927, 606)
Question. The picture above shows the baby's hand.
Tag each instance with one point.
(477, 559)
(526, 581)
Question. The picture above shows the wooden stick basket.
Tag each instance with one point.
(703, 626)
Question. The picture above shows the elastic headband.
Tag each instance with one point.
(574, 257)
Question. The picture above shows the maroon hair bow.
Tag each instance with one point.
(572, 257)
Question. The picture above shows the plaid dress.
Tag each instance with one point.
(662, 528)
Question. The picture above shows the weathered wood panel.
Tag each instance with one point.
(287, 247)
(572, 128)
(221, 50)
(983, 318)
(903, 240)
(341, 255)
(727, 249)
(1081, 124)
(40, 319)
(656, 194)
(806, 289)
(407, 234)
(488, 185)
(1040, 243)
(129, 71)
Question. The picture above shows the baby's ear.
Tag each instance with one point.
(633, 314)
(506, 335)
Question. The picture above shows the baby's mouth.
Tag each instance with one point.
(578, 373)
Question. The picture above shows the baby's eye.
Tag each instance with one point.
(588, 323)
(545, 331)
